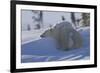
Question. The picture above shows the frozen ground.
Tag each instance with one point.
(36, 49)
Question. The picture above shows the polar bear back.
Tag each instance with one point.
(64, 24)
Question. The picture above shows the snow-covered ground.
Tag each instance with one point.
(32, 35)
(36, 49)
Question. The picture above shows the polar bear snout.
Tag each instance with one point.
(42, 36)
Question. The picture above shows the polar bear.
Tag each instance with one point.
(65, 35)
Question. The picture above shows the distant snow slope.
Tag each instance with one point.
(32, 35)
(44, 49)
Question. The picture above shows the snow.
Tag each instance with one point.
(32, 35)
(49, 18)
(36, 49)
